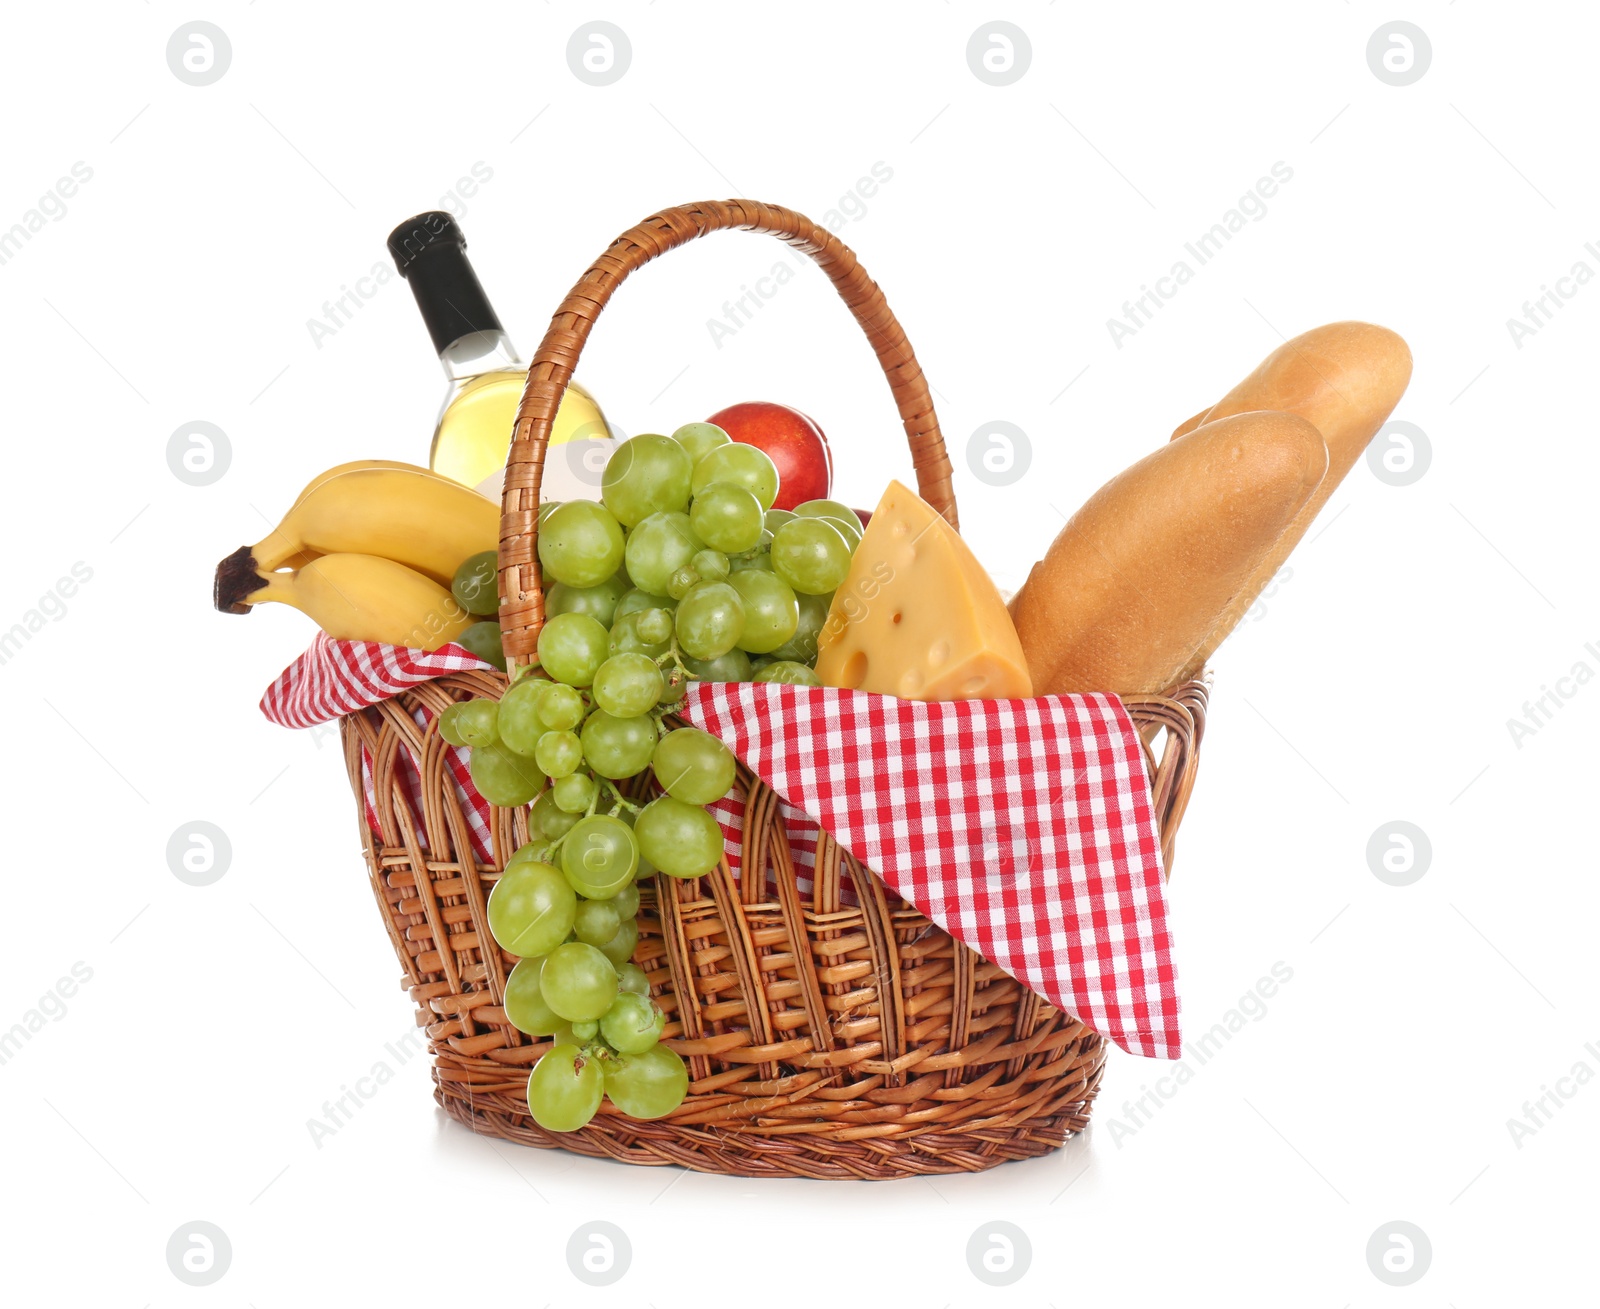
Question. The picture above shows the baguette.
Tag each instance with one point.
(1136, 579)
(1344, 378)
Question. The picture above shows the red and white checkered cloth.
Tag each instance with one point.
(1022, 827)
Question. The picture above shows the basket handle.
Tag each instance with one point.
(521, 601)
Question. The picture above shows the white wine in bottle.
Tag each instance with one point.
(485, 376)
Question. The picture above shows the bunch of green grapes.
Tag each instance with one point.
(684, 572)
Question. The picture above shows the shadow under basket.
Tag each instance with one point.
(830, 1032)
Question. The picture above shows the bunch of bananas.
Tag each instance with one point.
(368, 550)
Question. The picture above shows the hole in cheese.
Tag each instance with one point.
(855, 671)
(898, 616)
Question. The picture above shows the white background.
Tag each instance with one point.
(1375, 684)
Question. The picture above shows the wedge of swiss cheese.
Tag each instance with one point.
(917, 617)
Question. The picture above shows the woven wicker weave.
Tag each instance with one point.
(833, 1034)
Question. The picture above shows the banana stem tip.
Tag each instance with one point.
(236, 579)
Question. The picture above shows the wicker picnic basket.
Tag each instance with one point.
(830, 1034)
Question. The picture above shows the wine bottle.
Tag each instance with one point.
(485, 377)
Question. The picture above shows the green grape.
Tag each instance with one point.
(754, 560)
(646, 475)
(776, 518)
(734, 666)
(585, 1031)
(476, 585)
(647, 1085)
(681, 840)
(633, 979)
(645, 869)
(503, 778)
(628, 685)
(625, 901)
(759, 662)
(654, 626)
(711, 565)
(771, 612)
(710, 620)
(618, 747)
(531, 853)
(802, 646)
(683, 581)
(548, 819)
(727, 517)
(524, 1005)
(693, 766)
(743, 465)
(520, 723)
(574, 793)
(546, 508)
(561, 707)
(698, 439)
(810, 555)
(619, 949)
(531, 909)
(848, 530)
(831, 509)
(565, 1089)
(471, 722)
(578, 982)
(627, 639)
(580, 543)
(632, 1025)
(637, 601)
(572, 646)
(597, 922)
(483, 639)
(599, 856)
(674, 686)
(558, 754)
(788, 673)
(447, 724)
(599, 601)
(658, 547)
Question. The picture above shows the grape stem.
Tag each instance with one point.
(622, 801)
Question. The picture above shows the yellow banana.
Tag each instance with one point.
(356, 597)
(410, 515)
(359, 466)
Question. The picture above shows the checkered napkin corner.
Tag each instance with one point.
(333, 678)
(1022, 827)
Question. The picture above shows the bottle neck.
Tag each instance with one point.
(460, 320)
(479, 352)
